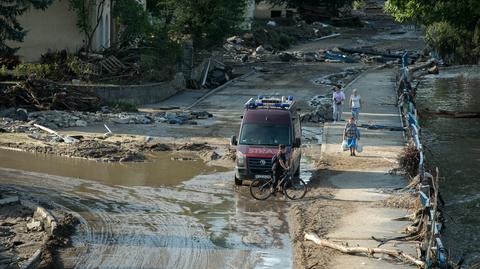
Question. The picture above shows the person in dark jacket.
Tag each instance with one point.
(280, 166)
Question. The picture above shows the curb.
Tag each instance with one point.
(219, 88)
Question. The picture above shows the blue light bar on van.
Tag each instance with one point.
(260, 97)
(290, 98)
(281, 105)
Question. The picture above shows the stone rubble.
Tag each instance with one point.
(55, 119)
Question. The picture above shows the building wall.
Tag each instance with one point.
(264, 10)
(54, 28)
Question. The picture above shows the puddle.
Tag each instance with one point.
(162, 214)
(162, 168)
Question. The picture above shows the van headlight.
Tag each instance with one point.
(240, 159)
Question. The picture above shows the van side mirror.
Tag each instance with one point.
(297, 143)
(233, 140)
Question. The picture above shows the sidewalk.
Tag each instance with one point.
(363, 181)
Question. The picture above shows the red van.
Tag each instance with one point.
(266, 123)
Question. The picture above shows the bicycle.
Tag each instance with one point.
(293, 188)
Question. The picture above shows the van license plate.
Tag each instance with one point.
(262, 176)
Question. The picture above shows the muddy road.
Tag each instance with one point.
(202, 222)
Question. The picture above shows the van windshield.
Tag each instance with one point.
(265, 134)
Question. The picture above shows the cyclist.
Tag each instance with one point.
(279, 165)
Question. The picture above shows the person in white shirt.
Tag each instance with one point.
(337, 99)
(356, 104)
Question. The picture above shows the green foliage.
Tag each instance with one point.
(452, 26)
(358, 4)
(80, 69)
(3, 71)
(22, 71)
(81, 8)
(134, 19)
(10, 28)
(206, 22)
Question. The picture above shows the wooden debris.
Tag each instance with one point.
(363, 250)
(43, 94)
(65, 138)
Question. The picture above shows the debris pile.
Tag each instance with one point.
(39, 94)
(103, 151)
(21, 234)
(322, 112)
(340, 78)
(264, 43)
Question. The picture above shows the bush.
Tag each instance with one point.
(409, 159)
(81, 70)
(22, 71)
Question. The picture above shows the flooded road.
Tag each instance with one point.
(151, 221)
(161, 168)
(454, 146)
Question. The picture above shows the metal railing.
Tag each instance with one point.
(435, 253)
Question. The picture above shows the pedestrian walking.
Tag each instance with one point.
(352, 135)
(338, 98)
(355, 104)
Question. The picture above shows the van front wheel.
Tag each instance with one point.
(238, 182)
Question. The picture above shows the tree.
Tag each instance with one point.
(453, 26)
(82, 9)
(10, 28)
(135, 21)
(206, 22)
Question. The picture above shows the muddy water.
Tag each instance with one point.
(201, 222)
(454, 146)
(162, 168)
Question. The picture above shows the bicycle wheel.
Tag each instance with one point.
(295, 189)
(261, 189)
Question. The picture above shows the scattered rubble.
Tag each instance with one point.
(322, 112)
(56, 119)
(21, 235)
(266, 43)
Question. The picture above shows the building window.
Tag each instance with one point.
(275, 13)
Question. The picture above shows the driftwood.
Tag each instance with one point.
(362, 250)
(40, 94)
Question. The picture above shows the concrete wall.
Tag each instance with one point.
(54, 28)
(137, 94)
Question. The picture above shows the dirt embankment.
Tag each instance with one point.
(317, 213)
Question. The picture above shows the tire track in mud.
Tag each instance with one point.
(202, 223)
